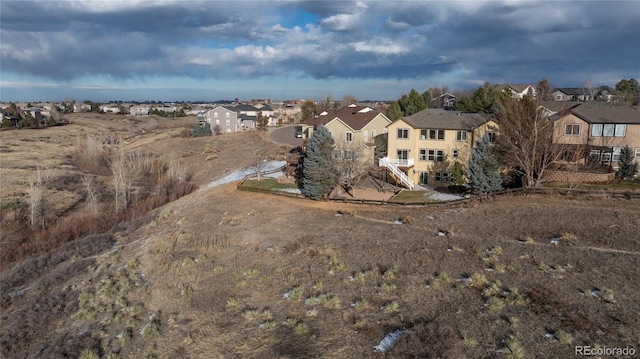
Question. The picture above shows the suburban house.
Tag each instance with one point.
(599, 130)
(139, 110)
(602, 93)
(351, 124)
(221, 119)
(422, 148)
(518, 91)
(446, 101)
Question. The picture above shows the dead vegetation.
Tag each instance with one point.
(235, 274)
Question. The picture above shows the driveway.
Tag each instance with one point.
(285, 135)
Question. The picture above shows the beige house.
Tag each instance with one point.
(422, 148)
(351, 124)
(600, 130)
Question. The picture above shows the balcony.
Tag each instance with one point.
(402, 163)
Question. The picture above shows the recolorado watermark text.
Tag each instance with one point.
(587, 350)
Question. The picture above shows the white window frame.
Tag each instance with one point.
(349, 136)
(461, 136)
(373, 134)
(620, 130)
(596, 130)
(492, 136)
(443, 176)
(435, 155)
(569, 129)
(401, 133)
(637, 152)
(422, 154)
(365, 135)
(616, 154)
(215, 115)
(608, 130)
(400, 150)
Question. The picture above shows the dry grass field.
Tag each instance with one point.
(221, 273)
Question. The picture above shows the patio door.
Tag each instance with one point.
(423, 179)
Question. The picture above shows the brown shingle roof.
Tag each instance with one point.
(604, 113)
(438, 119)
(349, 115)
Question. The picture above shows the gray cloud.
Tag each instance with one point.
(496, 41)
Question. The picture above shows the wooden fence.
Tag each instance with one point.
(474, 198)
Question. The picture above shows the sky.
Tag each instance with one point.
(166, 50)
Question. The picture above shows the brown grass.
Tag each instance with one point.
(207, 261)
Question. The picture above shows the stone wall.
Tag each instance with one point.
(578, 176)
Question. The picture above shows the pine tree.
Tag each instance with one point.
(319, 175)
(628, 167)
(483, 168)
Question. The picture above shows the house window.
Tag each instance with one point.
(218, 122)
(435, 155)
(349, 136)
(336, 154)
(215, 115)
(402, 155)
(403, 133)
(616, 153)
(226, 115)
(637, 152)
(558, 97)
(608, 130)
(228, 123)
(596, 130)
(492, 136)
(443, 176)
(594, 155)
(373, 133)
(461, 136)
(347, 155)
(422, 156)
(572, 129)
(384, 130)
(432, 134)
(455, 153)
(606, 156)
(423, 178)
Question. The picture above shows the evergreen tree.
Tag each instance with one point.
(319, 176)
(483, 168)
(394, 112)
(628, 167)
(201, 130)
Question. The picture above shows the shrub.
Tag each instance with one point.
(203, 129)
(428, 340)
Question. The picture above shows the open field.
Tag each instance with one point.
(222, 273)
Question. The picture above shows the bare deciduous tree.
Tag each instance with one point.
(37, 208)
(258, 151)
(352, 160)
(526, 139)
(124, 173)
(92, 198)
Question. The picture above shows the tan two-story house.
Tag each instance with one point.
(599, 130)
(423, 147)
(351, 124)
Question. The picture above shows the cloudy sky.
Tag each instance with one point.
(208, 50)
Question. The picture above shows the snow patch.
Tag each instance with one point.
(389, 340)
(238, 175)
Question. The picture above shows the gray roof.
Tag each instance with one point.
(438, 119)
(605, 113)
